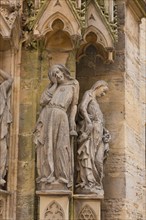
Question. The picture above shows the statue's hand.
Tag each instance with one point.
(54, 79)
(73, 128)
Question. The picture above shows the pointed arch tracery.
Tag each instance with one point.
(54, 211)
(47, 26)
(87, 213)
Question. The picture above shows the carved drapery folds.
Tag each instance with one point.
(93, 141)
(55, 128)
(60, 36)
(5, 121)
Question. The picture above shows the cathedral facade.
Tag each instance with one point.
(89, 41)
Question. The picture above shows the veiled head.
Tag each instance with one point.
(100, 88)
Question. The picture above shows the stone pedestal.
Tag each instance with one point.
(54, 204)
(87, 207)
(4, 204)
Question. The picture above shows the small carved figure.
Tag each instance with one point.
(5, 121)
(93, 141)
(54, 127)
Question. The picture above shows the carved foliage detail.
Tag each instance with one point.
(87, 213)
(54, 212)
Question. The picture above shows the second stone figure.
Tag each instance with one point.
(93, 142)
(55, 126)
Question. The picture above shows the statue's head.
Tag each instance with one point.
(60, 72)
(100, 88)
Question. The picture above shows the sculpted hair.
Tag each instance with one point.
(62, 68)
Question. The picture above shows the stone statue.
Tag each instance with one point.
(93, 141)
(55, 125)
(5, 121)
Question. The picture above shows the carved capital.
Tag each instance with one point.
(76, 39)
(8, 15)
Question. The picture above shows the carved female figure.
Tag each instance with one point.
(92, 141)
(55, 125)
(5, 120)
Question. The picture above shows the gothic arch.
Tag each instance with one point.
(67, 24)
(54, 211)
(100, 37)
(51, 12)
(87, 213)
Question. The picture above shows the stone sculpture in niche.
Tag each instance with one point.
(93, 141)
(5, 121)
(55, 126)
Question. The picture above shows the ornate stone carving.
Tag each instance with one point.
(8, 14)
(87, 213)
(52, 11)
(54, 211)
(93, 141)
(5, 121)
(55, 126)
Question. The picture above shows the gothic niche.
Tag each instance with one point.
(87, 213)
(91, 56)
(58, 38)
(54, 211)
(58, 43)
(91, 61)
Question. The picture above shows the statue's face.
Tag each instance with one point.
(101, 91)
(59, 75)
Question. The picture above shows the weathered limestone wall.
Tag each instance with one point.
(143, 85)
(26, 157)
(114, 110)
(134, 121)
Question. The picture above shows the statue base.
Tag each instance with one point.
(88, 191)
(54, 204)
(87, 206)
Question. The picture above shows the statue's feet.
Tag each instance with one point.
(81, 185)
(50, 179)
(2, 182)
